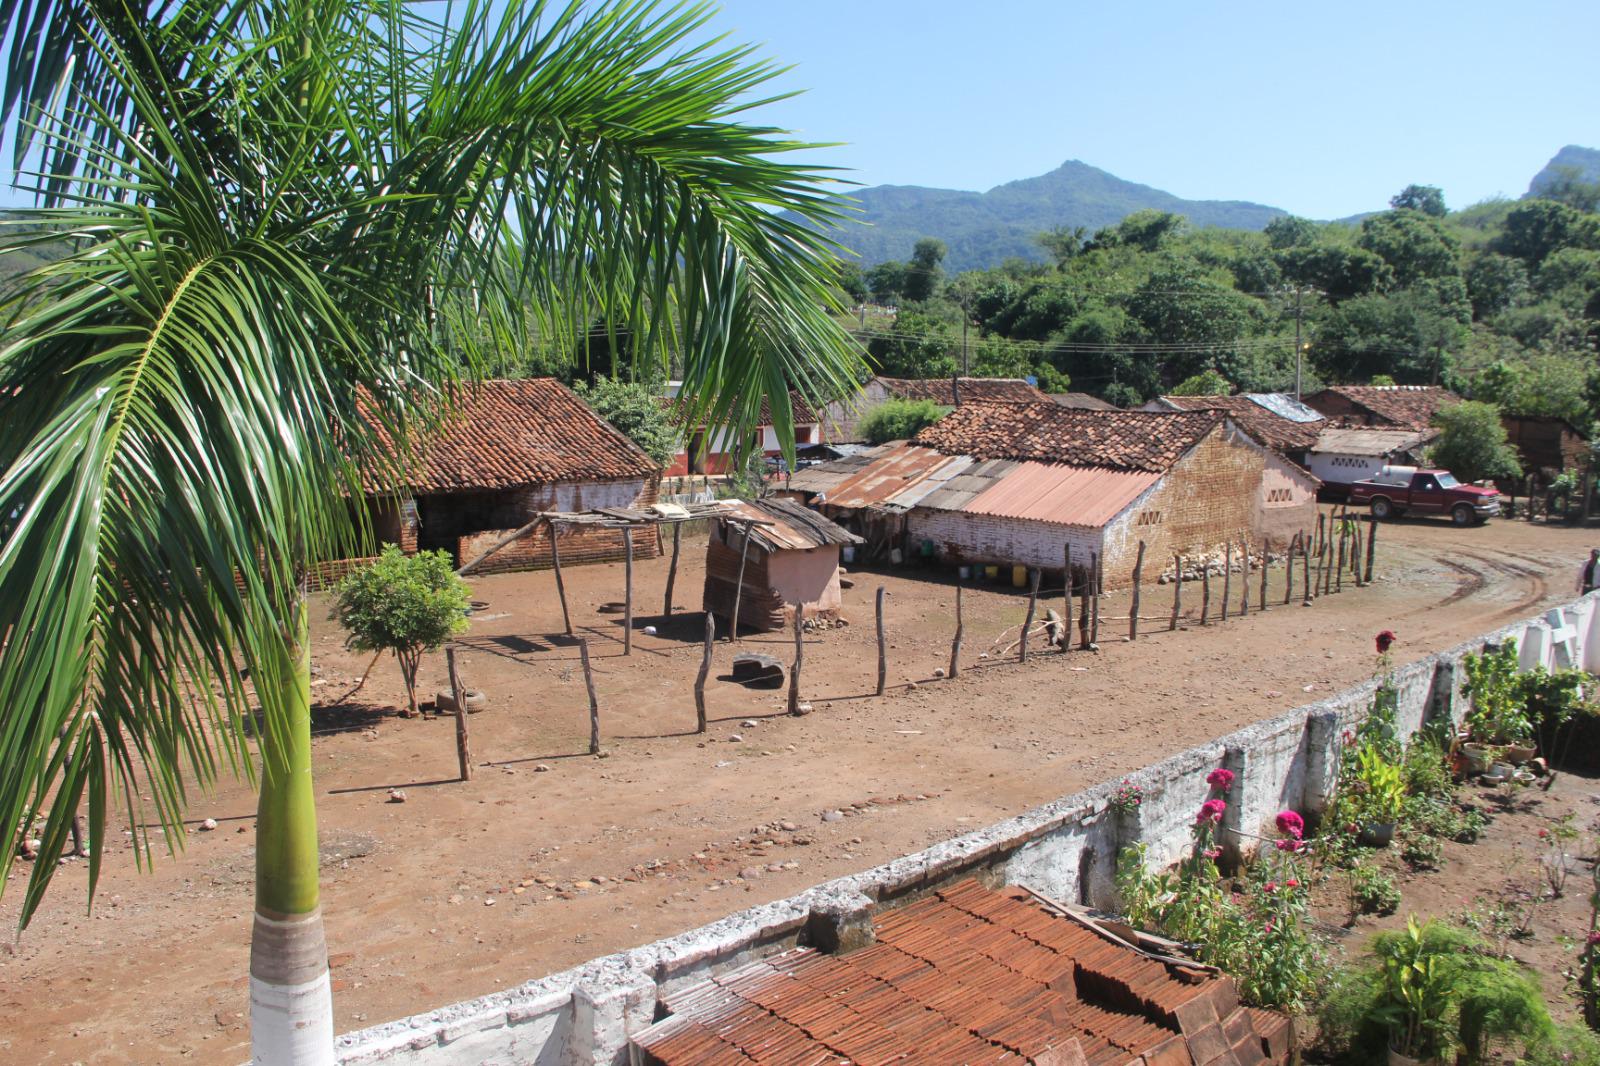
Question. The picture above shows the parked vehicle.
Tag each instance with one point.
(1398, 490)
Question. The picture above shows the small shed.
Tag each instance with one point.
(1547, 445)
(786, 554)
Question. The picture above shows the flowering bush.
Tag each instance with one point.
(1127, 798)
(1220, 779)
(1211, 812)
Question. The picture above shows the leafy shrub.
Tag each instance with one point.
(899, 420)
(407, 604)
(1498, 714)
(635, 409)
(1427, 770)
(1373, 891)
(1422, 851)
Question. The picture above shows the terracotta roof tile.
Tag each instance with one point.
(531, 431)
(966, 975)
(1273, 430)
(1408, 406)
(1048, 433)
(988, 390)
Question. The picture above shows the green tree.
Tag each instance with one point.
(852, 281)
(1340, 271)
(1063, 243)
(1147, 230)
(1415, 245)
(899, 420)
(285, 215)
(405, 604)
(1472, 443)
(1407, 335)
(1535, 228)
(1207, 383)
(1181, 304)
(918, 345)
(887, 281)
(1429, 199)
(1570, 187)
(635, 409)
(924, 271)
(1290, 231)
(1494, 283)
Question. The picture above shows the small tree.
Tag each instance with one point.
(1206, 383)
(1472, 443)
(635, 409)
(899, 420)
(407, 604)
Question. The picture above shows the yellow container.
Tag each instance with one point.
(991, 572)
(1019, 577)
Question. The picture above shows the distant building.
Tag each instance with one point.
(1082, 401)
(1016, 483)
(1340, 457)
(704, 451)
(792, 558)
(515, 449)
(841, 418)
(1291, 437)
(1546, 445)
(1382, 406)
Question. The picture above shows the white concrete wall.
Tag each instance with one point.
(1066, 849)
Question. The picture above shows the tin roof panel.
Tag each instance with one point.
(1066, 495)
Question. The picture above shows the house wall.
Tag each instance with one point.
(1338, 469)
(841, 417)
(810, 577)
(963, 537)
(578, 545)
(773, 583)
(1545, 445)
(1065, 849)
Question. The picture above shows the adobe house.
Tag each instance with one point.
(705, 451)
(1015, 484)
(786, 553)
(841, 418)
(1546, 445)
(515, 449)
(1382, 406)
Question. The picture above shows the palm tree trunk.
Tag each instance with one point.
(291, 1009)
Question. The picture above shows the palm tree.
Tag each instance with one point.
(291, 224)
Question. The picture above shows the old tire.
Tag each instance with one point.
(445, 703)
(1382, 508)
(1462, 515)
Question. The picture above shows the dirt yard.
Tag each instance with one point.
(549, 857)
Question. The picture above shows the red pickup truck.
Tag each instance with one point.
(1396, 490)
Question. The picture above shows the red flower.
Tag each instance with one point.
(1544, 834)
(1292, 883)
(1213, 853)
(1594, 938)
(1383, 640)
(1271, 887)
(1220, 778)
(1211, 811)
(1291, 824)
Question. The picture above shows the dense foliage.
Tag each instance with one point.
(634, 408)
(405, 604)
(899, 420)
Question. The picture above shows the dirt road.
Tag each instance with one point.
(549, 857)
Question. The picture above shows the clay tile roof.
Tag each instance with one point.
(988, 390)
(1410, 406)
(1050, 433)
(968, 975)
(1082, 401)
(524, 432)
(1273, 430)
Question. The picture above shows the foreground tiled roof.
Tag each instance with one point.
(1273, 430)
(1409, 406)
(969, 976)
(1050, 433)
(524, 432)
(989, 390)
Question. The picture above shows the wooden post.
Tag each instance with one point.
(1227, 577)
(1288, 569)
(1244, 579)
(1098, 575)
(1133, 615)
(1205, 591)
(1322, 546)
(672, 571)
(705, 670)
(1355, 551)
(1322, 537)
(1083, 609)
(1033, 605)
(1530, 497)
(594, 703)
(1266, 554)
(883, 647)
(1305, 568)
(738, 588)
(627, 591)
(1327, 561)
(561, 586)
(1372, 543)
(1177, 591)
(955, 644)
(1344, 537)
(1066, 617)
(458, 694)
(799, 656)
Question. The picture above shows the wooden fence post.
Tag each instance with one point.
(1083, 609)
(594, 703)
(1288, 569)
(705, 670)
(1244, 579)
(1344, 538)
(883, 647)
(627, 592)
(1266, 556)
(1027, 624)
(1227, 577)
(1355, 551)
(1066, 618)
(1177, 591)
(799, 657)
(672, 571)
(1305, 568)
(555, 562)
(1094, 599)
(738, 587)
(1205, 590)
(458, 694)
(1372, 542)
(955, 644)
(1133, 615)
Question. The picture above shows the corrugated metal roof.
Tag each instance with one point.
(1068, 495)
(888, 474)
(825, 477)
(1371, 442)
(1285, 406)
(790, 525)
(960, 490)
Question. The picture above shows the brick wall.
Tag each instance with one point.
(578, 545)
(960, 537)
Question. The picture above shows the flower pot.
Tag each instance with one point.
(1503, 770)
(1516, 754)
(1477, 757)
(1376, 835)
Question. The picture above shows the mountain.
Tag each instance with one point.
(1572, 161)
(981, 229)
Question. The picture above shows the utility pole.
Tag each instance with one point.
(1299, 351)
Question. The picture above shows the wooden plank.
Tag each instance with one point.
(799, 657)
(955, 644)
(705, 671)
(738, 586)
(672, 570)
(458, 693)
(594, 703)
(561, 586)
(627, 593)
(1097, 575)
(1138, 573)
(1033, 605)
(883, 647)
(1066, 616)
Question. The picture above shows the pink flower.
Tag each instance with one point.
(1213, 853)
(1544, 834)
(1291, 824)
(1271, 887)
(1269, 925)
(1349, 738)
(1292, 883)
(1594, 937)
(1383, 640)
(1211, 811)
(1291, 845)
(1220, 778)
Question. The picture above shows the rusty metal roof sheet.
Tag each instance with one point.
(888, 474)
(788, 525)
(826, 477)
(1068, 495)
(1375, 443)
(958, 491)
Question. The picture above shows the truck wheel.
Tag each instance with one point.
(1462, 515)
(1382, 508)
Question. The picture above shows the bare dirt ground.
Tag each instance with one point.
(422, 898)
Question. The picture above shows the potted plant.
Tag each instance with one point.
(1382, 789)
(1415, 999)
(1499, 716)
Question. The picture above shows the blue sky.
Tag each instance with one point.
(1322, 109)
